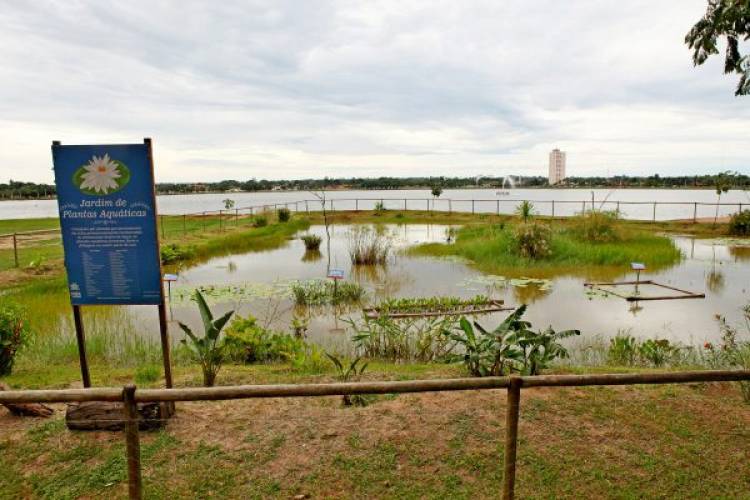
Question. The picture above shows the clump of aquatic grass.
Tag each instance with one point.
(284, 214)
(596, 226)
(403, 339)
(260, 221)
(323, 292)
(495, 249)
(113, 338)
(533, 241)
(368, 247)
(173, 252)
(312, 241)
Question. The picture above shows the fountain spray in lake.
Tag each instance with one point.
(508, 182)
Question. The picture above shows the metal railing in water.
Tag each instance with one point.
(221, 220)
(130, 396)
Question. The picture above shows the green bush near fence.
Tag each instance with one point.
(739, 224)
(13, 333)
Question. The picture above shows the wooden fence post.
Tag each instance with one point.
(132, 442)
(472, 206)
(654, 218)
(450, 206)
(618, 209)
(553, 209)
(204, 222)
(498, 207)
(404, 203)
(356, 204)
(695, 212)
(15, 249)
(512, 412)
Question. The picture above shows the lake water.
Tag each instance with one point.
(567, 201)
(255, 283)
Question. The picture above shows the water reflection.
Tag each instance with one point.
(312, 256)
(720, 270)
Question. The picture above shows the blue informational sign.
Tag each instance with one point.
(105, 195)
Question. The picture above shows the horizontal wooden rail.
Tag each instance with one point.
(379, 387)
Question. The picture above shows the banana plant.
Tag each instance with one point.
(208, 349)
(541, 348)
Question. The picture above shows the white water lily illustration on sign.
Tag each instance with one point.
(102, 175)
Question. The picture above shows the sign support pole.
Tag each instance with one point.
(81, 338)
(163, 325)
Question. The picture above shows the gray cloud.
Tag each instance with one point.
(299, 89)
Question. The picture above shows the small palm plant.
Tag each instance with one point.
(525, 210)
(353, 372)
(209, 349)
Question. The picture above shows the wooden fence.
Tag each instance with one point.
(130, 397)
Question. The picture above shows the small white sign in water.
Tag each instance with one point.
(336, 274)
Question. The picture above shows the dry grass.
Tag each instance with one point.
(625, 442)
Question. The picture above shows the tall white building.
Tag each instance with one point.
(556, 166)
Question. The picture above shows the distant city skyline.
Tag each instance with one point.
(294, 90)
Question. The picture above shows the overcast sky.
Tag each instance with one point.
(235, 90)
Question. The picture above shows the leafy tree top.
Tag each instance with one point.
(724, 18)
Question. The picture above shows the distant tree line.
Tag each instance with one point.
(29, 190)
(26, 191)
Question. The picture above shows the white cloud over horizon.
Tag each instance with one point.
(235, 90)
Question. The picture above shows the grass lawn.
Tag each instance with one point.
(686, 441)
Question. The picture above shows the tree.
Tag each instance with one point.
(437, 191)
(228, 204)
(722, 183)
(724, 18)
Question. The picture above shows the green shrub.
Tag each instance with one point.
(533, 241)
(380, 206)
(173, 252)
(739, 224)
(13, 333)
(657, 352)
(596, 226)
(248, 342)
(284, 214)
(623, 350)
(312, 241)
(260, 221)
